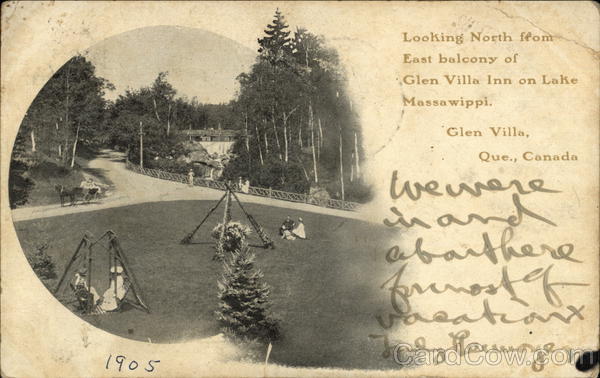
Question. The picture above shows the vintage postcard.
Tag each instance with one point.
(299, 189)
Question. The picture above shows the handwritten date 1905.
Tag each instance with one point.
(121, 363)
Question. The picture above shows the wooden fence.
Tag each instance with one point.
(261, 192)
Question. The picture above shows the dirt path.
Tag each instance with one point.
(131, 188)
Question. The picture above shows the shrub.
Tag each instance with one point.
(359, 192)
(233, 238)
(243, 311)
(19, 185)
(280, 175)
(19, 182)
(171, 165)
(42, 264)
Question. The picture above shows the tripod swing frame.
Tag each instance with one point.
(116, 256)
(266, 240)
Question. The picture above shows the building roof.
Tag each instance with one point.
(211, 132)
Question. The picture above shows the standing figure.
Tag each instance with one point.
(190, 176)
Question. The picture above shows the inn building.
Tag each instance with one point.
(218, 141)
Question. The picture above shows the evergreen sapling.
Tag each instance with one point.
(244, 298)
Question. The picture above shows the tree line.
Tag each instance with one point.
(300, 130)
(294, 107)
(156, 112)
(70, 115)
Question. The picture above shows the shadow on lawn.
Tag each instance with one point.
(324, 290)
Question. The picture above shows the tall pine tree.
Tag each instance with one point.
(276, 44)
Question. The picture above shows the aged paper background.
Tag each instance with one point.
(42, 338)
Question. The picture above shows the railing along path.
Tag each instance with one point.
(256, 191)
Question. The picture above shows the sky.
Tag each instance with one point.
(200, 63)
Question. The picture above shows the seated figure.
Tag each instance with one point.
(299, 231)
(86, 298)
(90, 184)
(87, 183)
(286, 228)
(116, 290)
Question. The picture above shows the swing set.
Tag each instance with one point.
(229, 193)
(116, 260)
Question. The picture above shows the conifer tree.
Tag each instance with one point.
(276, 43)
(244, 299)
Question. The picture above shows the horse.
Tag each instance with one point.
(73, 194)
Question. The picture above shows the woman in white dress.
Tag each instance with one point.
(116, 290)
(299, 231)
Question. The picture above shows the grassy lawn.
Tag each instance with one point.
(324, 290)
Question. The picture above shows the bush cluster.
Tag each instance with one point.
(42, 264)
(172, 165)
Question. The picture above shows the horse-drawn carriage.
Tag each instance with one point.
(86, 195)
